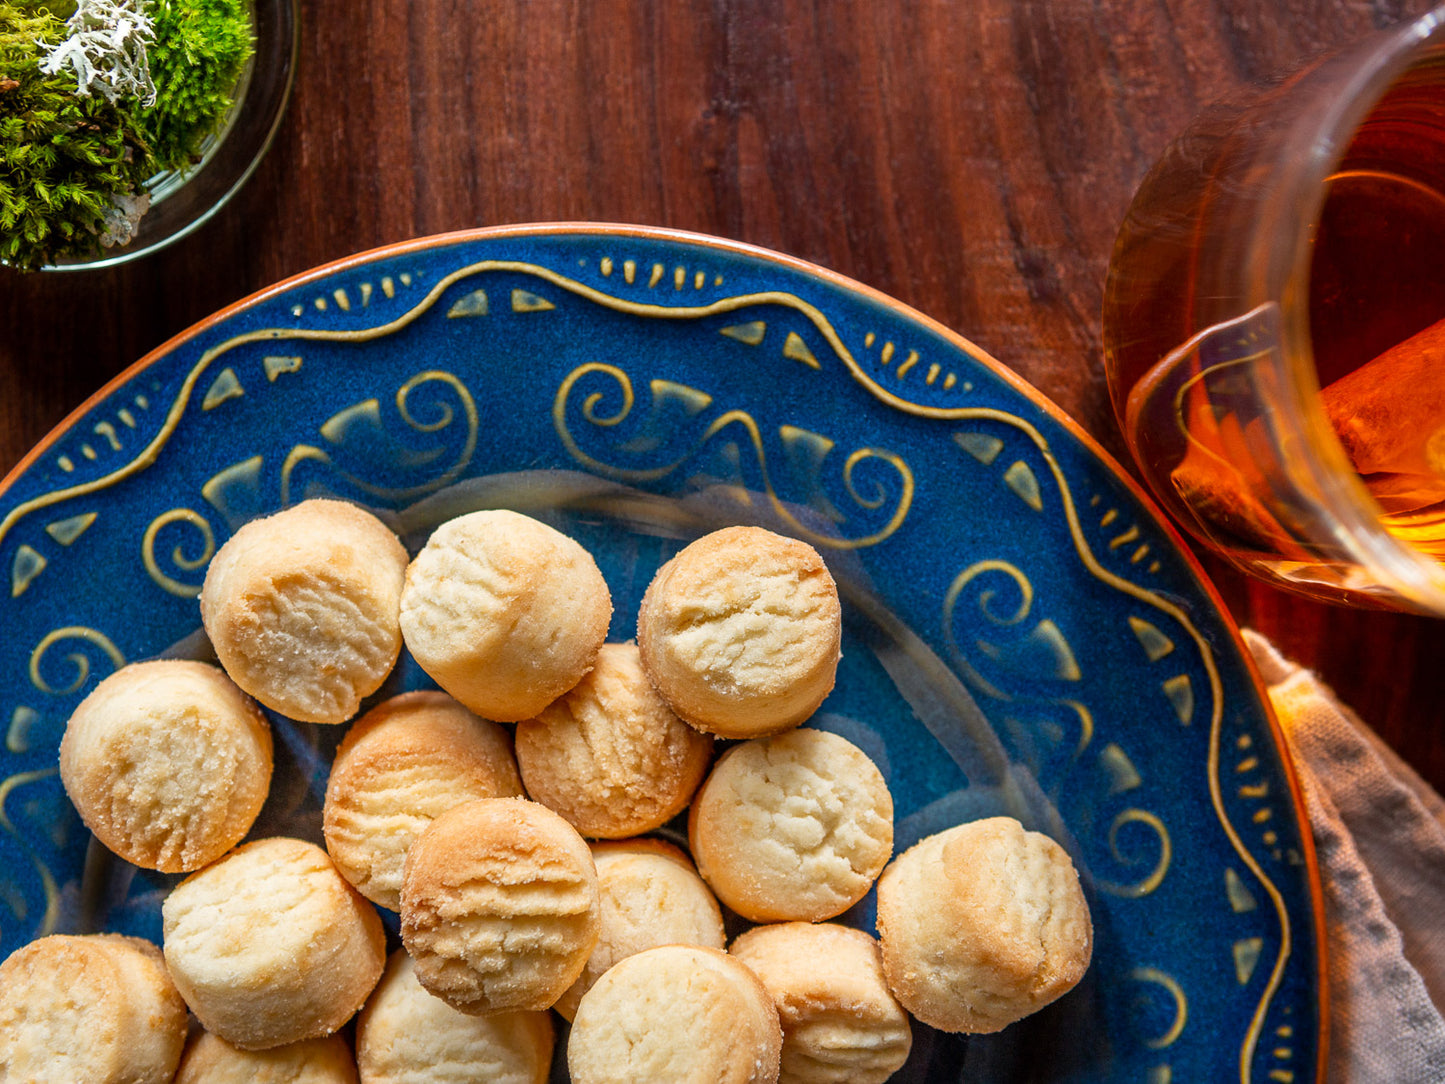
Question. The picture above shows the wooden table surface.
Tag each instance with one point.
(972, 158)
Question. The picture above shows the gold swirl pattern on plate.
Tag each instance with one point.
(809, 450)
(365, 417)
(178, 556)
(1178, 688)
(78, 660)
(1155, 877)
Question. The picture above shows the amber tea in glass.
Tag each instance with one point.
(1274, 326)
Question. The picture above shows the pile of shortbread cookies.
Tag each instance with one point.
(519, 858)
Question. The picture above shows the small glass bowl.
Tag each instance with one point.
(182, 200)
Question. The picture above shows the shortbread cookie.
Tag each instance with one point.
(99, 1009)
(209, 1059)
(674, 1014)
(982, 925)
(792, 827)
(302, 608)
(168, 763)
(404, 763)
(741, 632)
(841, 1023)
(650, 896)
(404, 1035)
(499, 906)
(504, 612)
(271, 945)
(610, 756)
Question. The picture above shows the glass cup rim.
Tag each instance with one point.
(1315, 457)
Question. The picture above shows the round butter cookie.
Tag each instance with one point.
(404, 1035)
(609, 755)
(504, 612)
(650, 896)
(674, 1015)
(168, 763)
(302, 608)
(499, 906)
(401, 765)
(98, 1008)
(841, 1023)
(792, 827)
(741, 632)
(271, 945)
(982, 925)
(209, 1059)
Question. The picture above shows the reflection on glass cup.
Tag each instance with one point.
(1274, 326)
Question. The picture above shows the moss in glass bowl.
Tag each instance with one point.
(98, 100)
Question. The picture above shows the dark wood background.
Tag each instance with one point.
(972, 158)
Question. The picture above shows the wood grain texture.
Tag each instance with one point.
(972, 159)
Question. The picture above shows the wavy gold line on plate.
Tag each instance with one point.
(714, 428)
(1206, 653)
(148, 455)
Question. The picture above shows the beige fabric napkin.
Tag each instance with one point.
(1380, 833)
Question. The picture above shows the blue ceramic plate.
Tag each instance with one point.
(1022, 633)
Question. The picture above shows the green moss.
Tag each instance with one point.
(65, 159)
(200, 49)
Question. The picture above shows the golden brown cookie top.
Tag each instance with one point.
(168, 763)
(271, 945)
(504, 612)
(741, 632)
(404, 1035)
(609, 755)
(209, 1059)
(841, 1023)
(499, 906)
(302, 608)
(650, 895)
(795, 826)
(981, 925)
(677, 1012)
(99, 1008)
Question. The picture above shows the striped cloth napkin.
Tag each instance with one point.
(1380, 833)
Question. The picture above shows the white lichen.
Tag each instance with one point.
(106, 49)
